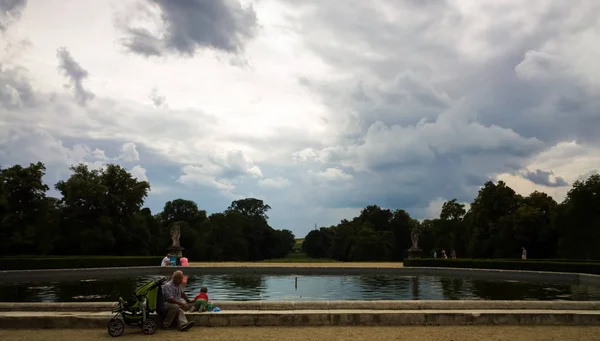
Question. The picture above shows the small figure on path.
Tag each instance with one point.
(453, 254)
(444, 254)
(176, 303)
(434, 254)
(524, 254)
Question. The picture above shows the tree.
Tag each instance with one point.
(26, 220)
(533, 225)
(317, 243)
(250, 207)
(490, 221)
(99, 208)
(450, 228)
(578, 220)
(182, 210)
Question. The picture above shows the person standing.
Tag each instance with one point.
(453, 254)
(524, 254)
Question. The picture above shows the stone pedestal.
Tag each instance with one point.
(414, 253)
(176, 250)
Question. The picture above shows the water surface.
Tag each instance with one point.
(305, 288)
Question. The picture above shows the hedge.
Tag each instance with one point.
(508, 264)
(71, 262)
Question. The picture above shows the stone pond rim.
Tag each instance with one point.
(81, 273)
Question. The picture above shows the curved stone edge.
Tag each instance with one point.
(320, 318)
(326, 305)
(23, 275)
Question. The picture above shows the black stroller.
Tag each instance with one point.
(146, 300)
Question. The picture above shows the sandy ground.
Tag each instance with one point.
(292, 265)
(431, 333)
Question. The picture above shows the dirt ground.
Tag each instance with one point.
(291, 265)
(430, 333)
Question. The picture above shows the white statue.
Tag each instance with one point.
(414, 236)
(175, 234)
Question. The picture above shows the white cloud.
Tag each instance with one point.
(129, 152)
(277, 182)
(139, 173)
(334, 174)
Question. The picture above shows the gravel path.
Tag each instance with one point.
(292, 265)
(431, 333)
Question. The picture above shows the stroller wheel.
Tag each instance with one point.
(115, 327)
(149, 327)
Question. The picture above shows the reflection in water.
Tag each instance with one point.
(415, 288)
(298, 288)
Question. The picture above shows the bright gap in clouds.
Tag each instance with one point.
(316, 108)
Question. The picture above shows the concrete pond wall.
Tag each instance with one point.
(315, 313)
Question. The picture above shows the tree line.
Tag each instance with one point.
(498, 223)
(101, 212)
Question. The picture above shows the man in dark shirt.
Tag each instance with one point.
(176, 303)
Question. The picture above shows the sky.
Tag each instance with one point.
(319, 108)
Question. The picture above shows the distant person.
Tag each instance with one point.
(166, 261)
(524, 254)
(184, 261)
(444, 255)
(434, 254)
(453, 254)
(176, 303)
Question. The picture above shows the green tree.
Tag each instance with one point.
(27, 219)
(250, 207)
(533, 225)
(98, 210)
(317, 243)
(491, 221)
(182, 210)
(578, 220)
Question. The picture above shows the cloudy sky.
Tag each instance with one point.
(317, 107)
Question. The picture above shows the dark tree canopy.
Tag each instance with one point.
(100, 212)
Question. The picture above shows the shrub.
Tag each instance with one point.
(514, 264)
(71, 262)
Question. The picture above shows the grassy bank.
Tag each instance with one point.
(300, 257)
(510, 264)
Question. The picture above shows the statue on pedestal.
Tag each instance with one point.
(175, 248)
(414, 236)
(415, 251)
(175, 235)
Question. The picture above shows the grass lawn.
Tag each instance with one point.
(300, 257)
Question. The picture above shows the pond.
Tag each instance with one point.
(248, 287)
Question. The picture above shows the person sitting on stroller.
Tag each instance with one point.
(201, 301)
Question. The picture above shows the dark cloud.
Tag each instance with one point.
(545, 178)
(15, 90)
(432, 100)
(10, 11)
(75, 74)
(194, 24)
